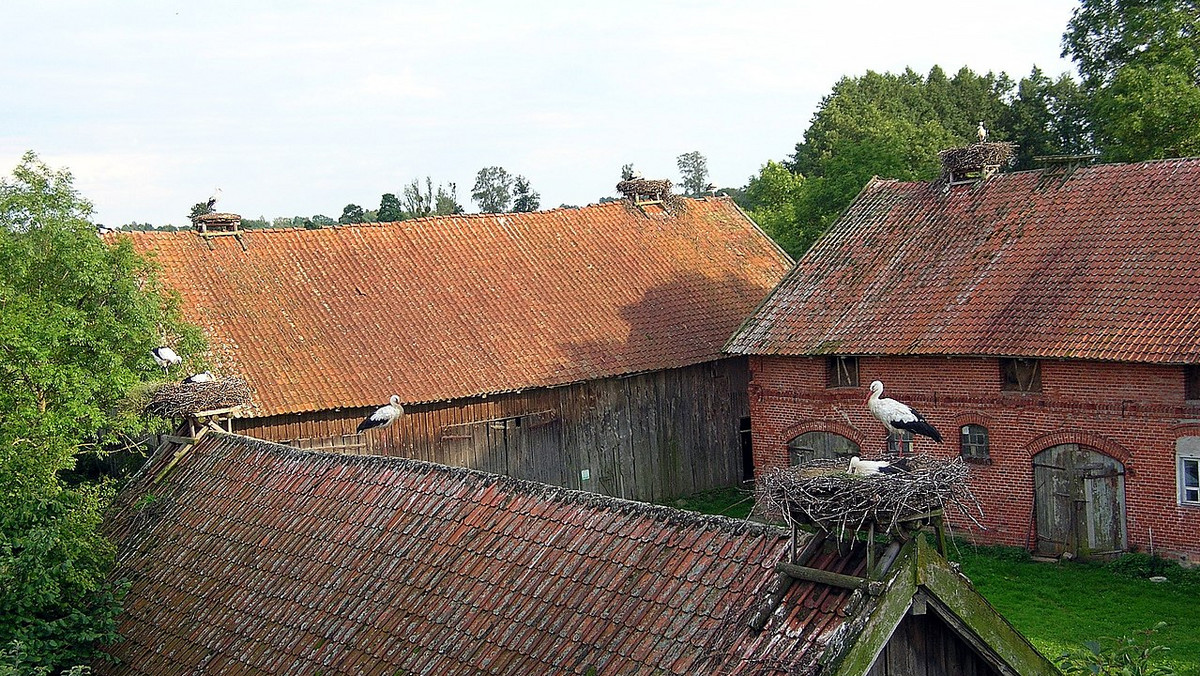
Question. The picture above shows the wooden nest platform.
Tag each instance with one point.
(179, 400)
(823, 494)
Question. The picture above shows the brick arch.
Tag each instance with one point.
(1090, 439)
(974, 418)
(832, 426)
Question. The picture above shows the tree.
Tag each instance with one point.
(1140, 64)
(446, 202)
(321, 220)
(627, 172)
(525, 198)
(200, 209)
(390, 208)
(1046, 117)
(352, 213)
(693, 167)
(493, 190)
(771, 198)
(78, 317)
(416, 202)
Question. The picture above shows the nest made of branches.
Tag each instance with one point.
(978, 155)
(176, 400)
(644, 187)
(824, 494)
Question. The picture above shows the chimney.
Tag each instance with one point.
(976, 162)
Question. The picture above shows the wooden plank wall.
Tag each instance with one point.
(651, 437)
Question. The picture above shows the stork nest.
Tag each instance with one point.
(176, 400)
(824, 494)
(978, 155)
(640, 190)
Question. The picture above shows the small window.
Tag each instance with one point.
(900, 443)
(841, 372)
(1020, 375)
(973, 442)
(820, 445)
(1189, 480)
(1191, 382)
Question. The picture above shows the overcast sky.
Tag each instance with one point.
(298, 108)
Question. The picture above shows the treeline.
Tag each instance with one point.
(1138, 98)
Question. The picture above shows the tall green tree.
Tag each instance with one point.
(446, 201)
(419, 202)
(1140, 64)
(771, 198)
(693, 170)
(525, 198)
(390, 208)
(493, 190)
(78, 316)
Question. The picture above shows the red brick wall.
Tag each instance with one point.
(1131, 412)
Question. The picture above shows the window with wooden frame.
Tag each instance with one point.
(973, 442)
(900, 443)
(1020, 375)
(1187, 467)
(841, 372)
(1191, 383)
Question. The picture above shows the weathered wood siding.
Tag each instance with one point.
(924, 646)
(651, 437)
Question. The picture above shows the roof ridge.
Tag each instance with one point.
(522, 487)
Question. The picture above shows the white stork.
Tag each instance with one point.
(202, 377)
(869, 467)
(212, 201)
(165, 357)
(981, 132)
(384, 415)
(897, 416)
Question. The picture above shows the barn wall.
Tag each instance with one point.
(1132, 412)
(924, 646)
(651, 437)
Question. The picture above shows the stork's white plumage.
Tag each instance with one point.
(202, 377)
(212, 201)
(165, 357)
(869, 467)
(981, 132)
(384, 415)
(897, 416)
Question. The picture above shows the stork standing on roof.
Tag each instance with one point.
(165, 357)
(897, 416)
(981, 132)
(212, 200)
(384, 415)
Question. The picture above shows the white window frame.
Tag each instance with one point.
(1187, 452)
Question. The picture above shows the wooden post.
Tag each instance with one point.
(821, 576)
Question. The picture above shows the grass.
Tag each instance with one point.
(1058, 606)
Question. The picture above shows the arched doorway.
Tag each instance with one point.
(814, 445)
(1079, 502)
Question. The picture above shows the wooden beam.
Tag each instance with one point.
(783, 583)
(821, 576)
(182, 441)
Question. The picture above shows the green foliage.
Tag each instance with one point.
(771, 198)
(734, 502)
(693, 169)
(525, 198)
(1135, 655)
(1144, 566)
(493, 190)
(446, 201)
(418, 202)
(199, 209)
(627, 172)
(1140, 64)
(352, 213)
(390, 209)
(77, 320)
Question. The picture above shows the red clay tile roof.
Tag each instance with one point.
(1102, 265)
(254, 557)
(453, 306)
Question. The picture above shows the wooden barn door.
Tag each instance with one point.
(1079, 502)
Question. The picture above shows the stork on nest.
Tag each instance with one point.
(825, 494)
(178, 400)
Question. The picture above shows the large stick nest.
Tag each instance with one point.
(176, 400)
(824, 494)
(979, 155)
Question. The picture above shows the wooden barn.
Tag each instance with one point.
(579, 347)
(1045, 321)
(249, 557)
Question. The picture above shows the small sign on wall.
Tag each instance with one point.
(585, 474)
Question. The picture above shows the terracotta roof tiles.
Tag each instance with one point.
(453, 306)
(239, 568)
(1101, 264)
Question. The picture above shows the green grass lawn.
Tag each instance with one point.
(1059, 606)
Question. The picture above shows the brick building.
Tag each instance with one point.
(579, 347)
(1047, 322)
